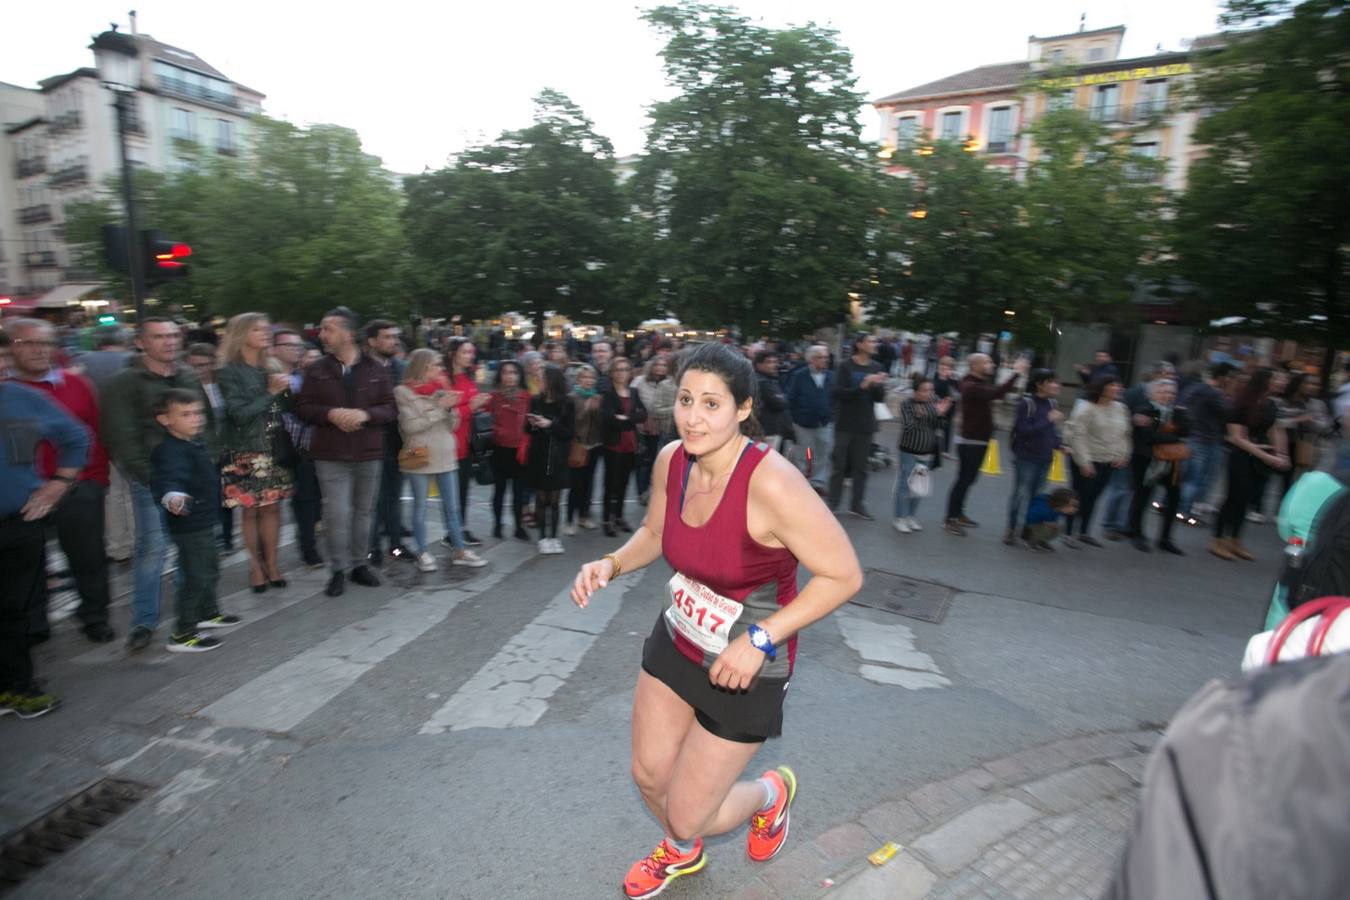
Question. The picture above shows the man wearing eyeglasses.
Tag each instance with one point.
(78, 519)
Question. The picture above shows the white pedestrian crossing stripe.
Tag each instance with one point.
(894, 645)
(512, 689)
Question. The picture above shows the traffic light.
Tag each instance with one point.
(165, 260)
(115, 248)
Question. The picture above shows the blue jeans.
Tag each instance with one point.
(152, 545)
(1028, 481)
(1116, 500)
(1206, 458)
(447, 483)
(906, 505)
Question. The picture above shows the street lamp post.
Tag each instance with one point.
(122, 103)
(117, 57)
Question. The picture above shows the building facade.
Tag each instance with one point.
(61, 147)
(990, 107)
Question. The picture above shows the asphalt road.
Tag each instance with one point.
(465, 734)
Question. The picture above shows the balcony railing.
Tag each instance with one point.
(40, 259)
(33, 215)
(227, 150)
(1107, 112)
(35, 165)
(1001, 145)
(196, 92)
(1149, 109)
(69, 176)
(67, 121)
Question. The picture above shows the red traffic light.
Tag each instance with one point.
(171, 260)
(165, 260)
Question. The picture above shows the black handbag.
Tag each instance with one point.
(284, 453)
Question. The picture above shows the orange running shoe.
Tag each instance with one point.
(769, 827)
(649, 877)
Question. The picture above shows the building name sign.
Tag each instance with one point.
(1138, 74)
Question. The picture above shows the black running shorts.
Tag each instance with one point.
(747, 717)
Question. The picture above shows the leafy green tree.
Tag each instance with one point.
(756, 192)
(1091, 223)
(1263, 229)
(301, 221)
(532, 222)
(948, 242)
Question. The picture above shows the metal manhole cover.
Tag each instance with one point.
(889, 592)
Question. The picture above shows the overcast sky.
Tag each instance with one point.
(421, 81)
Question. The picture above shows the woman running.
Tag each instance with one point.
(734, 520)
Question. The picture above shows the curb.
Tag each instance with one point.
(944, 826)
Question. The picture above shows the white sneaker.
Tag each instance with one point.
(570, 529)
(543, 546)
(1256, 518)
(556, 545)
(914, 524)
(468, 558)
(902, 526)
(426, 562)
(588, 524)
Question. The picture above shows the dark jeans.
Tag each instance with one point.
(307, 505)
(226, 524)
(505, 470)
(618, 467)
(945, 440)
(22, 554)
(851, 449)
(200, 567)
(649, 445)
(386, 519)
(1028, 481)
(969, 458)
(1260, 479)
(1143, 495)
(581, 485)
(1241, 472)
(78, 523)
(465, 477)
(1089, 491)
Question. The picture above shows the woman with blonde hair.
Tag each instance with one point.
(427, 419)
(255, 393)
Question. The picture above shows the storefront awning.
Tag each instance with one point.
(69, 294)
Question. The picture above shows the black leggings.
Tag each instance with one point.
(969, 457)
(581, 485)
(1241, 473)
(1089, 492)
(506, 471)
(618, 468)
(546, 510)
(465, 476)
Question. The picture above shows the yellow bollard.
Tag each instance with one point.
(990, 465)
(1057, 468)
(434, 492)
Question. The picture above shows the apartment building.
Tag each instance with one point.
(60, 146)
(989, 107)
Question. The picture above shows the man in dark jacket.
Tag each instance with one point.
(130, 433)
(382, 343)
(1157, 421)
(810, 397)
(1206, 402)
(859, 383)
(771, 406)
(348, 399)
(978, 393)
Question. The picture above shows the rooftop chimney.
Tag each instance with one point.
(132, 16)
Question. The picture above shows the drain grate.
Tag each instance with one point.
(904, 596)
(27, 850)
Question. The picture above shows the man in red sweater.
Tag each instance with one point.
(78, 519)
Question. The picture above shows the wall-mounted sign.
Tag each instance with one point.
(1137, 74)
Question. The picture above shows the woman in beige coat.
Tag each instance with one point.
(427, 420)
(1099, 436)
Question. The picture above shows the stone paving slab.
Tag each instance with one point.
(1043, 824)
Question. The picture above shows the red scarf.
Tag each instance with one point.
(428, 388)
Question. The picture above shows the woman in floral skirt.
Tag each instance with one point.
(255, 392)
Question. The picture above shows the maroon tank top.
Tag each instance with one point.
(722, 555)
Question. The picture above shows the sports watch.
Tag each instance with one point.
(761, 641)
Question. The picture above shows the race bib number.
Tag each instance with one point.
(700, 614)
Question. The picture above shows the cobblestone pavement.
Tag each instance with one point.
(1043, 824)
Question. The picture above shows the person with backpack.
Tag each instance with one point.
(1033, 440)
